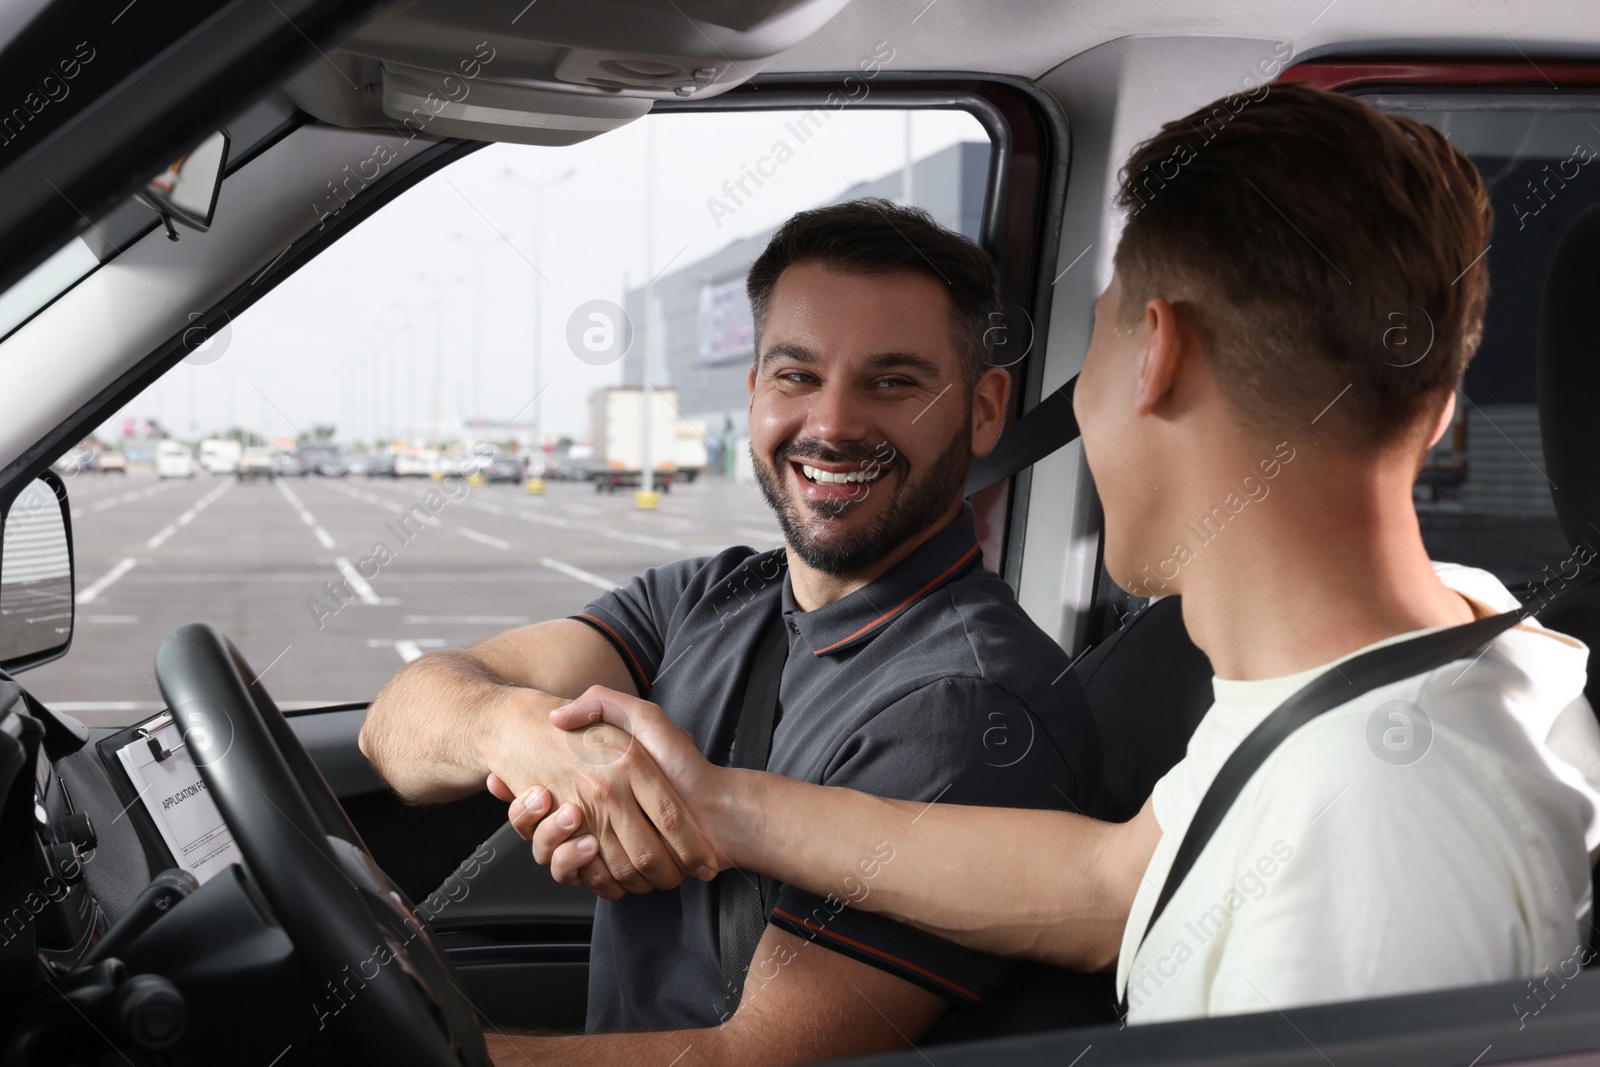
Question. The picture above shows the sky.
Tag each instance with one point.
(424, 314)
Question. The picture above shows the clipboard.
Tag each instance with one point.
(172, 794)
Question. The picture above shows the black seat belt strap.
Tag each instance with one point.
(1048, 425)
(741, 913)
(1330, 689)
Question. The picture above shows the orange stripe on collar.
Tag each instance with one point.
(907, 602)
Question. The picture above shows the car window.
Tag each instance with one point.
(340, 477)
(1483, 496)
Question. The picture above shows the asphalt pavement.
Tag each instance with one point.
(328, 585)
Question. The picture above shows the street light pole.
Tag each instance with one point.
(438, 365)
(646, 497)
(477, 324)
(537, 188)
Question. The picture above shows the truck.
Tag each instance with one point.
(617, 433)
(689, 449)
(220, 455)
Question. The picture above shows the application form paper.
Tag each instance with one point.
(175, 796)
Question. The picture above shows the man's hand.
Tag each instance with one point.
(572, 839)
(634, 817)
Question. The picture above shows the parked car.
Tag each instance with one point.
(175, 460)
(505, 468)
(219, 455)
(326, 459)
(257, 462)
(290, 465)
(421, 463)
(576, 464)
(381, 465)
(111, 463)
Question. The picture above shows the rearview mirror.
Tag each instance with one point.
(187, 190)
(36, 588)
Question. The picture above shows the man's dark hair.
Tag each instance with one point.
(872, 236)
(1319, 245)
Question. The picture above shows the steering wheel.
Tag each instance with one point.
(343, 913)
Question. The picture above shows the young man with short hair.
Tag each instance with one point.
(902, 666)
(1254, 425)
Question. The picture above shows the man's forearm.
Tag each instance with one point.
(1043, 885)
(684, 1048)
(429, 731)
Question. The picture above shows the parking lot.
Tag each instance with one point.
(327, 587)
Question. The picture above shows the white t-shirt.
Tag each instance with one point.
(1432, 833)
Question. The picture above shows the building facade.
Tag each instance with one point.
(707, 341)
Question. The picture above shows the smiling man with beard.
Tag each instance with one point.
(872, 651)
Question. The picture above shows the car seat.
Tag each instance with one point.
(1568, 388)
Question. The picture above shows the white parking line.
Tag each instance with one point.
(577, 572)
(91, 594)
(323, 536)
(465, 620)
(358, 584)
(188, 516)
(766, 535)
(548, 520)
(407, 648)
(483, 538)
(128, 497)
(639, 539)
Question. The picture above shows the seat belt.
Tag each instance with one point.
(1047, 426)
(741, 913)
(1330, 689)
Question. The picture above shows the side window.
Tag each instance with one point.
(1483, 496)
(434, 431)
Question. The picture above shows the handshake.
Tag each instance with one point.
(629, 807)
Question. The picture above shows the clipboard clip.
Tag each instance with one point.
(157, 750)
(160, 751)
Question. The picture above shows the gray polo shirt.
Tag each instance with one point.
(929, 684)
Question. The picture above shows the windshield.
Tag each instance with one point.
(434, 431)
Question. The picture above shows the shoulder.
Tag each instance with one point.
(960, 733)
(1424, 761)
(704, 573)
(999, 639)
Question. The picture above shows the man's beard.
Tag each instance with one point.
(916, 504)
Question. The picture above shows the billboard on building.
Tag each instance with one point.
(727, 332)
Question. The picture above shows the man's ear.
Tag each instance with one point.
(1446, 417)
(1168, 344)
(989, 397)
